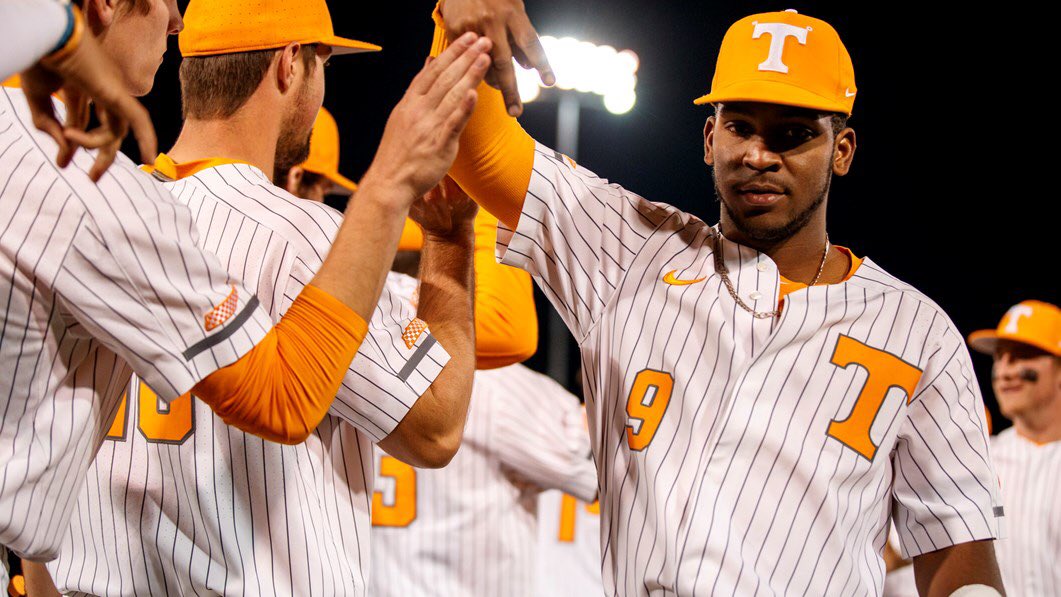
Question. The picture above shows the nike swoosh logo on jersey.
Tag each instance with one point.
(847, 93)
(671, 279)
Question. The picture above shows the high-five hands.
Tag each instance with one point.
(506, 23)
(419, 142)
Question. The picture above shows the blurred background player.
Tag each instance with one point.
(1026, 378)
(292, 517)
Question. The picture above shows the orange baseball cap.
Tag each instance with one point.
(213, 27)
(324, 154)
(784, 58)
(1029, 322)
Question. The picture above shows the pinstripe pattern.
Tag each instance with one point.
(93, 277)
(1030, 475)
(224, 511)
(741, 490)
(475, 528)
(567, 568)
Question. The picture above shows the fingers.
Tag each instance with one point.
(106, 138)
(455, 73)
(44, 119)
(528, 48)
(459, 117)
(137, 119)
(425, 79)
(503, 72)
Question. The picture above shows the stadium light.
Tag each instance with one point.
(586, 68)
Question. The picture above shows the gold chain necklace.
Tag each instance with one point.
(723, 271)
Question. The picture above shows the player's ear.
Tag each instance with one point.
(843, 151)
(287, 66)
(293, 179)
(99, 14)
(709, 138)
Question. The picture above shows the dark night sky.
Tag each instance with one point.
(928, 198)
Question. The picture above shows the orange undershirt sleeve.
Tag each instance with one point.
(496, 155)
(283, 387)
(506, 323)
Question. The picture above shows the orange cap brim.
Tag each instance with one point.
(341, 185)
(774, 92)
(342, 45)
(985, 341)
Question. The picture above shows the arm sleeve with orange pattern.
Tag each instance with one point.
(506, 324)
(496, 155)
(284, 386)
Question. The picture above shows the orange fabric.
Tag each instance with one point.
(213, 27)
(506, 323)
(496, 155)
(412, 237)
(73, 41)
(788, 286)
(784, 58)
(165, 166)
(284, 386)
(14, 81)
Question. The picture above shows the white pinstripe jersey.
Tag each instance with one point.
(91, 275)
(740, 455)
(469, 529)
(568, 547)
(191, 506)
(1030, 476)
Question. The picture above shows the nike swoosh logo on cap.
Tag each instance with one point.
(847, 93)
(671, 279)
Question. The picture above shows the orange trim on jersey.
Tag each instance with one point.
(496, 155)
(165, 166)
(14, 81)
(787, 286)
(283, 387)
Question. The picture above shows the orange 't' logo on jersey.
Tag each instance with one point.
(670, 278)
(222, 312)
(412, 332)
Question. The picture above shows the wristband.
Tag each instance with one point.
(71, 38)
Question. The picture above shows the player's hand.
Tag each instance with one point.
(445, 211)
(506, 23)
(86, 76)
(419, 142)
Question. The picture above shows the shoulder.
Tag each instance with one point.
(309, 225)
(909, 301)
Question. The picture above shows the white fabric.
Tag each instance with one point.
(30, 29)
(224, 511)
(469, 529)
(94, 276)
(741, 488)
(1030, 475)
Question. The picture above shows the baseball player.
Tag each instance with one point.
(103, 279)
(182, 503)
(1026, 378)
(471, 528)
(568, 551)
(761, 402)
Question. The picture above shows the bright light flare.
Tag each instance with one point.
(587, 68)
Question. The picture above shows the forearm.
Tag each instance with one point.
(39, 581)
(506, 323)
(496, 156)
(361, 255)
(941, 573)
(32, 29)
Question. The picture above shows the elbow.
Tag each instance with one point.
(439, 451)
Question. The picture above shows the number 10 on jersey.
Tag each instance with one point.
(646, 405)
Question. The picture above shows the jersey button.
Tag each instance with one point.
(763, 266)
(755, 296)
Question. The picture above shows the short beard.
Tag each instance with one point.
(291, 150)
(770, 236)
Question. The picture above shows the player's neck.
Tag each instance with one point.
(1041, 426)
(799, 256)
(243, 137)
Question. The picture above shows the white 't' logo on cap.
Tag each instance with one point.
(1014, 315)
(778, 33)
